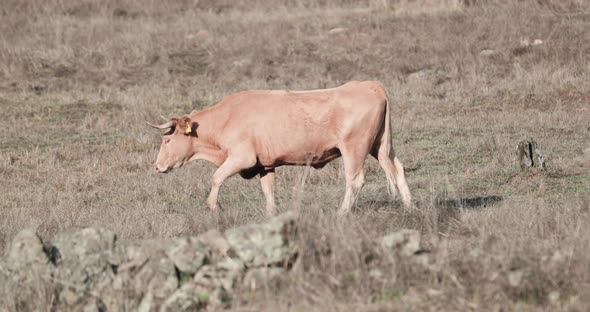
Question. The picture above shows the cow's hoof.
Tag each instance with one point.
(271, 212)
(215, 208)
(343, 213)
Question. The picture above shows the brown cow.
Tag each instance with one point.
(253, 132)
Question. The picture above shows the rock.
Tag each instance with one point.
(25, 273)
(95, 306)
(217, 244)
(336, 30)
(83, 264)
(258, 277)
(75, 245)
(487, 53)
(554, 297)
(537, 42)
(515, 277)
(147, 303)
(188, 254)
(529, 155)
(524, 42)
(26, 250)
(147, 273)
(269, 244)
(376, 274)
(228, 272)
(433, 292)
(425, 261)
(189, 297)
(558, 258)
(186, 298)
(222, 274)
(217, 282)
(406, 242)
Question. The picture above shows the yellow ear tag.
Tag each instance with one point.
(188, 129)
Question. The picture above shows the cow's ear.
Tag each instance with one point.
(194, 126)
(188, 126)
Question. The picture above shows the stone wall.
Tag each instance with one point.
(88, 269)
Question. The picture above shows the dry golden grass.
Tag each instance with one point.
(79, 78)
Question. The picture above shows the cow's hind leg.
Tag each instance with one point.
(394, 171)
(354, 172)
(267, 181)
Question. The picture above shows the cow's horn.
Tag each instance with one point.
(167, 125)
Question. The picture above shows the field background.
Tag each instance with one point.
(78, 80)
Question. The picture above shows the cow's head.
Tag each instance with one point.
(176, 148)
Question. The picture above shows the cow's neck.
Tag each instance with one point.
(205, 145)
(208, 152)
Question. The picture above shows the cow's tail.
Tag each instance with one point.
(394, 170)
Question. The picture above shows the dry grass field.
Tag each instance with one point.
(78, 80)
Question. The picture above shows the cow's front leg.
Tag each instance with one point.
(267, 181)
(230, 167)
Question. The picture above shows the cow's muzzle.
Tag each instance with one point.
(162, 171)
